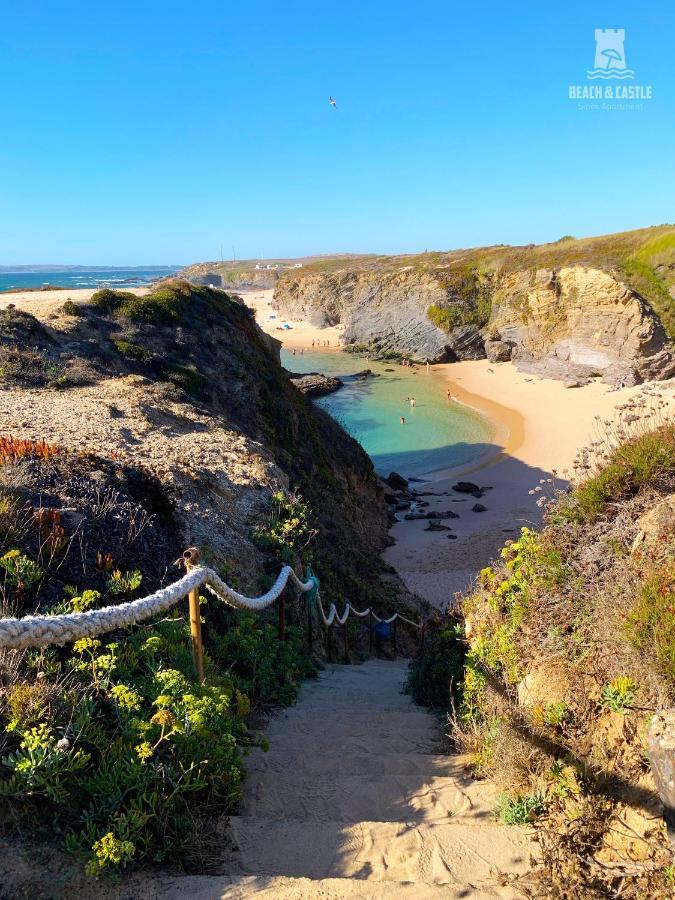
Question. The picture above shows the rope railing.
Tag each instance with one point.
(46, 630)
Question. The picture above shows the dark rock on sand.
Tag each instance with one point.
(314, 384)
(478, 507)
(396, 482)
(467, 487)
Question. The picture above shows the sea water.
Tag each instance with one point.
(438, 433)
(82, 278)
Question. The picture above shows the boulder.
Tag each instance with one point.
(498, 351)
(661, 752)
(478, 507)
(656, 524)
(396, 482)
(467, 487)
(316, 385)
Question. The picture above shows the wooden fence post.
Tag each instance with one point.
(370, 631)
(346, 639)
(191, 559)
(282, 616)
(393, 635)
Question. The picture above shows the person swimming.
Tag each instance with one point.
(402, 420)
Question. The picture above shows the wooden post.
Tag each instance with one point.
(191, 559)
(393, 634)
(282, 616)
(370, 631)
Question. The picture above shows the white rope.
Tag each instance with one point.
(334, 616)
(42, 631)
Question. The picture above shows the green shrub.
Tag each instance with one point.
(444, 317)
(521, 809)
(289, 529)
(619, 694)
(631, 466)
(70, 308)
(132, 351)
(651, 623)
(435, 676)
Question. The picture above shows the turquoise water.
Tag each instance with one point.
(82, 278)
(437, 433)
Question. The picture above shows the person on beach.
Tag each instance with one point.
(302, 351)
(428, 366)
(412, 401)
(294, 353)
(312, 345)
(402, 420)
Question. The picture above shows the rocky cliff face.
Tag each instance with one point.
(579, 322)
(572, 322)
(185, 384)
(386, 310)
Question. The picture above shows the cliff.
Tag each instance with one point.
(184, 384)
(573, 309)
(561, 664)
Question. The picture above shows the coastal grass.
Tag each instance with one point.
(569, 650)
(638, 463)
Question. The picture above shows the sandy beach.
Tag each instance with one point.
(539, 426)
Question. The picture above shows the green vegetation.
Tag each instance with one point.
(520, 810)
(111, 741)
(132, 351)
(70, 308)
(619, 694)
(436, 674)
(639, 462)
(650, 625)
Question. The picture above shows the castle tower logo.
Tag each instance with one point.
(610, 56)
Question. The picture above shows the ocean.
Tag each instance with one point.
(438, 433)
(83, 278)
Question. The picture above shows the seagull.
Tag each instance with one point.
(332, 102)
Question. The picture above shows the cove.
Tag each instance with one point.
(438, 433)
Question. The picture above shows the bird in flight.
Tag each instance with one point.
(332, 102)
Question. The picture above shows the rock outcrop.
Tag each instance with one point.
(577, 321)
(573, 322)
(314, 384)
(386, 310)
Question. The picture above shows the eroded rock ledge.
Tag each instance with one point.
(575, 322)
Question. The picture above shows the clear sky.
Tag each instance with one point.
(146, 132)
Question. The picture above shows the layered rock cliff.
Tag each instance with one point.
(575, 309)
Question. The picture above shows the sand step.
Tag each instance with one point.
(379, 851)
(337, 797)
(310, 764)
(204, 887)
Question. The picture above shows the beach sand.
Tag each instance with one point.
(539, 426)
(539, 434)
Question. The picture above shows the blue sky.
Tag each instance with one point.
(138, 133)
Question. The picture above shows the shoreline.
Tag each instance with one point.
(537, 434)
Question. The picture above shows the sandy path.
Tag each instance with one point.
(354, 799)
